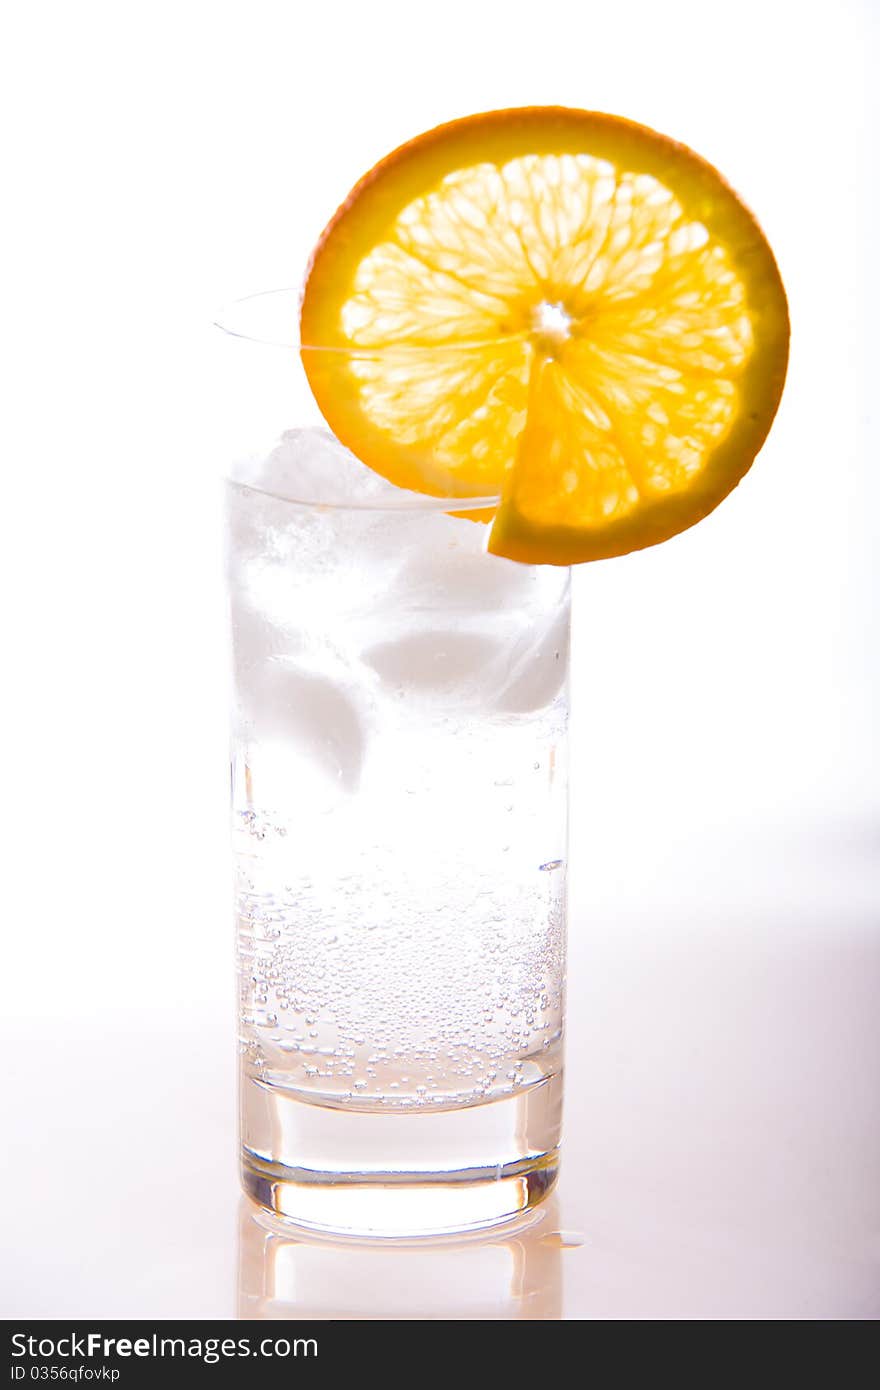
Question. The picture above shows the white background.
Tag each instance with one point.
(163, 158)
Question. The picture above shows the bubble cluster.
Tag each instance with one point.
(432, 977)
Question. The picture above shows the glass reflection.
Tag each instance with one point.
(510, 1273)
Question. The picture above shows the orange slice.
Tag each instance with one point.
(556, 307)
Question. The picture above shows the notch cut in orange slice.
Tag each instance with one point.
(559, 308)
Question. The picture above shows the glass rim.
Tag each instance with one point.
(270, 318)
(406, 503)
(247, 319)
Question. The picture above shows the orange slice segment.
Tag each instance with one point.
(557, 307)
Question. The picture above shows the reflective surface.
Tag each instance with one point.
(721, 1145)
(513, 1273)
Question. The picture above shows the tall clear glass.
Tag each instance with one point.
(399, 826)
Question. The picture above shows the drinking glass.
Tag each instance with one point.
(399, 824)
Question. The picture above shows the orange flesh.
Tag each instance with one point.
(557, 307)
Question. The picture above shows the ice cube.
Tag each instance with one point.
(445, 568)
(314, 715)
(310, 465)
(538, 667)
(257, 640)
(464, 665)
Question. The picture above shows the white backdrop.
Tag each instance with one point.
(164, 158)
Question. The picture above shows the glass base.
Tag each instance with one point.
(417, 1173)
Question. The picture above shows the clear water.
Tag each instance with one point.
(398, 793)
